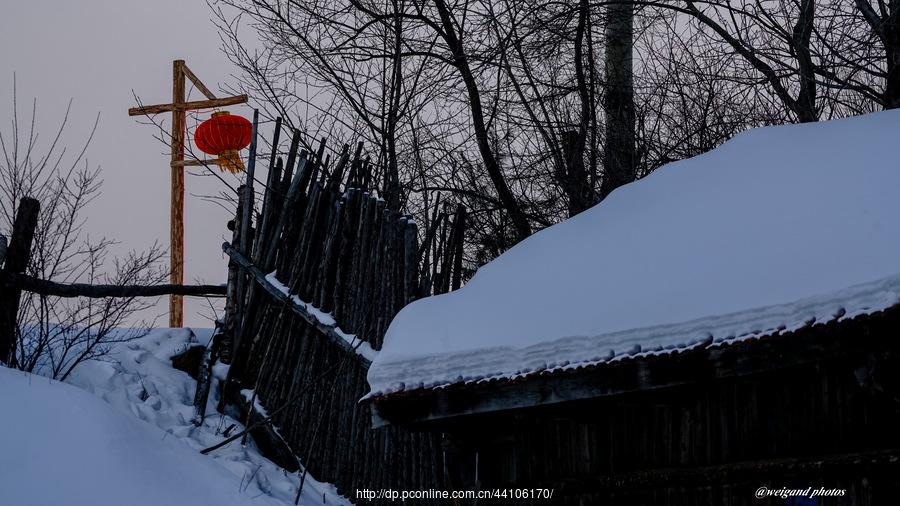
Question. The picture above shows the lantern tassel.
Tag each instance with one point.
(230, 161)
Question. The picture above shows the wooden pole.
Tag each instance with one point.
(246, 218)
(2, 250)
(17, 255)
(176, 237)
(233, 295)
(178, 108)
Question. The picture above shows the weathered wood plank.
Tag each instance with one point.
(195, 163)
(197, 82)
(188, 106)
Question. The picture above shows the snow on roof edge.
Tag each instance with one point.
(862, 299)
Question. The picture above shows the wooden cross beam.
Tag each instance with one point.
(178, 108)
(187, 106)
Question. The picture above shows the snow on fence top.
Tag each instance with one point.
(777, 228)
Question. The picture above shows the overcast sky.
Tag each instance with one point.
(97, 52)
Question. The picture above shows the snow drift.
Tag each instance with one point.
(119, 433)
(62, 445)
(777, 228)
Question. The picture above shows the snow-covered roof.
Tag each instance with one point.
(776, 229)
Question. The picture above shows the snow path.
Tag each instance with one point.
(69, 447)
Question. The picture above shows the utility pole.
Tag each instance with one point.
(178, 107)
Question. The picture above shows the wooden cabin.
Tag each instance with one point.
(816, 408)
(724, 331)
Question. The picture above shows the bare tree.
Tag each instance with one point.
(761, 34)
(528, 112)
(55, 334)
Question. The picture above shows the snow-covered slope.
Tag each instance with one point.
(778, 227)
(125, 437)
(62, 445)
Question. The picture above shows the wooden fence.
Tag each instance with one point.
(310, 298)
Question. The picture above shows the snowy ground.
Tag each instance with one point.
(60, 445)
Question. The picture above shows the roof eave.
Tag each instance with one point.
(814, 343)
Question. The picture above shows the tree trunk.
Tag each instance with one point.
(576, 183)
(806, 98)
(392, 174)
(892, 49)
(619, 156)
(888, 30)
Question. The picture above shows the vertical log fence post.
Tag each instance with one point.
(3, 245)
(17, 254)
(247, 211)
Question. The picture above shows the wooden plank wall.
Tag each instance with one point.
(827, 424)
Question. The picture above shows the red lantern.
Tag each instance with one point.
(223, 135)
